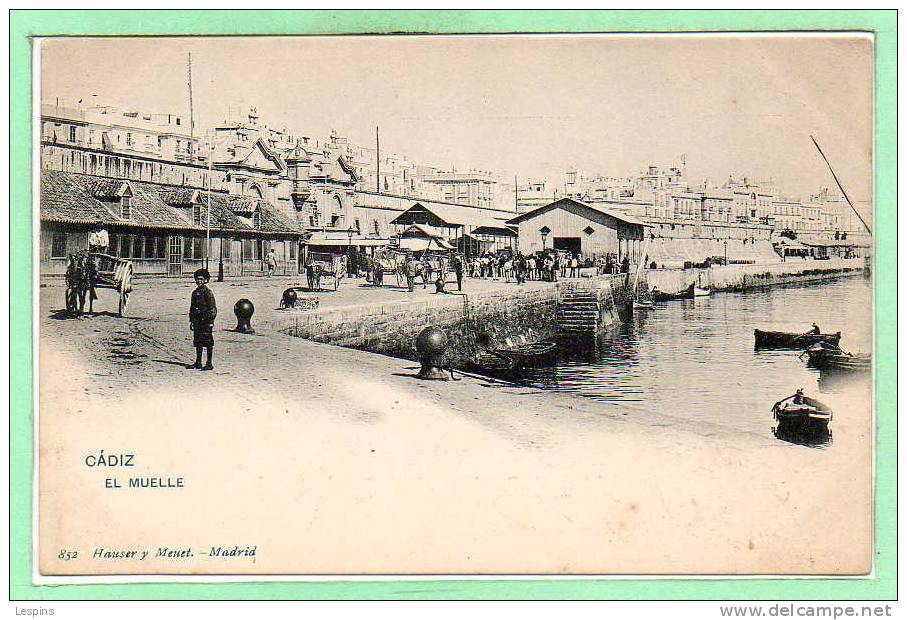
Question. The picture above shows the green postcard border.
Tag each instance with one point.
(27, 23)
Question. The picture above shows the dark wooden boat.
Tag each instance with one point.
(818, 352)
(799, 411)
(846, 362)
(785, 340)
(687, 293)
(828, 357)
(530, 355)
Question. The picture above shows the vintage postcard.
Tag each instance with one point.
(454, 305)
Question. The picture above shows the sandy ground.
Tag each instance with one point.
(328, 460)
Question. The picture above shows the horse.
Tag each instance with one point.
(313, 276)
(80, 276)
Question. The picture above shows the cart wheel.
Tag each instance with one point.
(124, 289)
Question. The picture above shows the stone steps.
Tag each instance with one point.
(578, 312)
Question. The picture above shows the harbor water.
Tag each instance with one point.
(694, 360)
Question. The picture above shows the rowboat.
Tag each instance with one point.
(828, 357)
(786, 340)
(490, 362)
(799, 411)
(701, 292)
(642, 305)
(530, 355)
(686, 293)
(842, 361)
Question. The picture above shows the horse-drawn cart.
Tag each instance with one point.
(320, 265)
(88, 272)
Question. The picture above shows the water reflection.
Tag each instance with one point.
(815, 436)
(838, 381)
(694, 359)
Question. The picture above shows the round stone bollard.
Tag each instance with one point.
(244, 309)
(289, 298)
(431, 343)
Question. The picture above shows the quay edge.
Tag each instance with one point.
(391, 328)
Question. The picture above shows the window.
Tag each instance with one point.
(126, 207)
(197, 214)
(226, 248)
(72, 133)
(356, 224)
(160, 142)
(178, 121)
(149, 248)
(159, 247)
(377, 227)
(292, 244)
(128, 139)
(58, 244)
(249, 249)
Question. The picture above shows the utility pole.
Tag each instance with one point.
(516, 194)
(191, 109)
(377, 161)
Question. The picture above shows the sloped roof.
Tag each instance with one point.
(67, 197)
(456, 215)
(182, 197)
(570, 203)
(242, 153)
(109, 189)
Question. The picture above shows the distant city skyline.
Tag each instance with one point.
(527, 106)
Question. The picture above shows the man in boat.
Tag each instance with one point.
(815, 330)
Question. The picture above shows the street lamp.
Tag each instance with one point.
(349, 251)
(725, 251)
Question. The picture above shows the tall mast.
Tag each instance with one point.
(377, 162)
(841, 187)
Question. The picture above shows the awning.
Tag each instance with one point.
(342, 239)
(421, 244)
(497, 231)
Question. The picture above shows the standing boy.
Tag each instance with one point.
(202, 312)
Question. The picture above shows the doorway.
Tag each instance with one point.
(568, 244)
(175, 258)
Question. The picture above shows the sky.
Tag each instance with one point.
(531, 106)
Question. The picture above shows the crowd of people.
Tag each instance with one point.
(546, 265)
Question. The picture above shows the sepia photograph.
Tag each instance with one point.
(424, 305)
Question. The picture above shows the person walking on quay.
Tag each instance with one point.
(625, 264)
(409, 271)
(377, 272)
(271, 262)
(202, 311)
(458, 270)
(426, 271)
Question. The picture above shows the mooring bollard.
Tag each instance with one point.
(289, 298)
(431, 343)
(244, 309)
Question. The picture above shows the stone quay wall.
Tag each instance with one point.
(742, 277)
(391, 328)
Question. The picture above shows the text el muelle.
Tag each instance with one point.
(104, 459)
